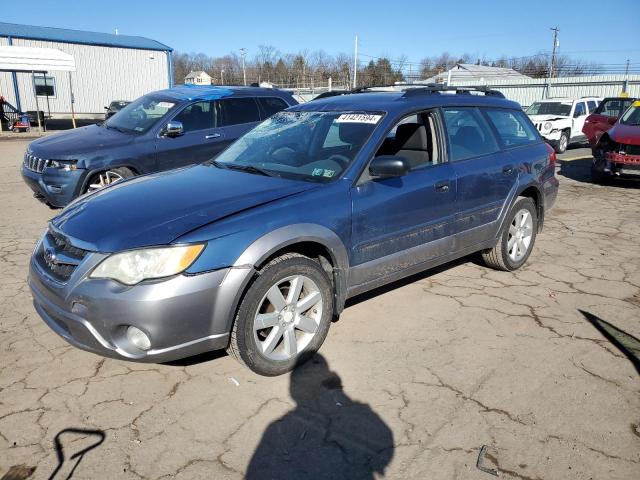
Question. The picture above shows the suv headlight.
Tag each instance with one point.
(547, 126)
(66, 165)
(146, 263)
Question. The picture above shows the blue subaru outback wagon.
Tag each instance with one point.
(162, 130)
(255, 252)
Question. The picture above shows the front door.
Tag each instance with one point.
(202, 138)
(579, 116)
(402, 222)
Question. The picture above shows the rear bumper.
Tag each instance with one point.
(54, 187)
(183, 316)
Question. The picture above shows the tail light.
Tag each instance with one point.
(552, 155)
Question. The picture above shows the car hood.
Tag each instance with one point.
(157, 209)
(627, 134)
(546, 118)
(80, 141)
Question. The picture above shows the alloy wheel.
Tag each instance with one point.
(288, 317)
(520, 235)
(103, 179)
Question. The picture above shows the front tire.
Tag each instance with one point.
(563, 143)
(284, 316)
(517, 237)
(103, 179)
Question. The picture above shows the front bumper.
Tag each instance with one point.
(183, 316)
(621, 164)
(552, 136)
(54, 187)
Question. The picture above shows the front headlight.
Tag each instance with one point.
(66, 165)
(146, 263)
(547, 126)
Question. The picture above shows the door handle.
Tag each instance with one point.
(213, 135)
(442, 186)
(507, 170)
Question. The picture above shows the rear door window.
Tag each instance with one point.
(271, 105)
(513, 127)
(469, 134)
(235, 111)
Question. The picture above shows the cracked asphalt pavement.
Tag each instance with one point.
(411, 382)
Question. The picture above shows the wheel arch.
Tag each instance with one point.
(533, 192)
(103, 168)
(308, 239)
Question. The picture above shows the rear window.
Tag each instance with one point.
(271, 105)
(469, 134)
(513, 127)
(235, 111)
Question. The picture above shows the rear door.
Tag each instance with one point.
(486, 175)
(200, 141)
(238, 115)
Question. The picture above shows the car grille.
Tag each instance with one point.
(539, 126)
(35, 164)
(58, 257)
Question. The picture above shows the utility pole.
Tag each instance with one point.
(355, 64)
(555, 31)
(626, 69)
(243, 53)
(222, 76)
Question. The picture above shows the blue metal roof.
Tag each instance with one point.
(78, 36)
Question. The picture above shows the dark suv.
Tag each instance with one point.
(255, 252)
(159, 131)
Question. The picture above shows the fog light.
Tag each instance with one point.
(138, 338)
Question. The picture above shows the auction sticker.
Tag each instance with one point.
(358, 118)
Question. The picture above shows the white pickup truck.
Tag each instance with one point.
(560, 120)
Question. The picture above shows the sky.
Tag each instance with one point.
(419, 28)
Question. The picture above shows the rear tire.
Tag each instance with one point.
(274, 332)
(517, 237)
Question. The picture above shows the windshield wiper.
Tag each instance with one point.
(121, 130)
(244, 168)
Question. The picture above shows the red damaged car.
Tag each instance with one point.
(604, 117)
(617, 153)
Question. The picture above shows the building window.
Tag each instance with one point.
(44, 89)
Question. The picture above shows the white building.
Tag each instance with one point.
(198, 78)
(480, 74)
(108, 67)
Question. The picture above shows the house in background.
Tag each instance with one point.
(198, 78)
(480, 74)
(108, 67)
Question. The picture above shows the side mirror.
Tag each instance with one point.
(389, 166)
(576, 114)
(173, 129)
(106, 108)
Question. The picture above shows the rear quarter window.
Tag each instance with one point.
(512, 127)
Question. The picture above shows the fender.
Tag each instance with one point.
(262, 248)
(515, 193)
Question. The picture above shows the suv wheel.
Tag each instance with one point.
(563, 143)
(108, 177)
(516, 238)
(284, 316)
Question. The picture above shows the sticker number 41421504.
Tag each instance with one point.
(358, 118)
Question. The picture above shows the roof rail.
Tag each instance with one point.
(432, 88)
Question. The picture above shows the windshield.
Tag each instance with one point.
(311, 146)
(550, 108)
(632, 116)
(613, 107)
(140, 115)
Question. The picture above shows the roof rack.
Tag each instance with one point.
(432, 88)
